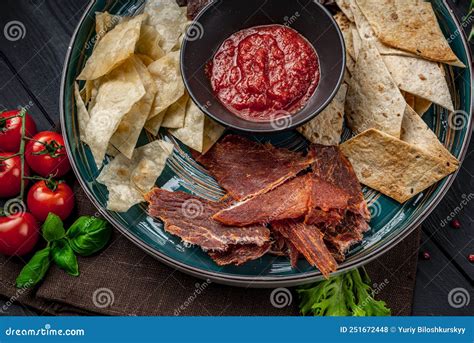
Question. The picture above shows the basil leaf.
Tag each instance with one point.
(53, 228)
(34, 271)
(88, 235)
(64, 257)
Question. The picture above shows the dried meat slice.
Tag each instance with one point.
(348, 233)
(239, 254)
(288, 201)
(293, 253)
(245, 168)
(327, 203)
(332, 166)
(189, 217)
(308, 239)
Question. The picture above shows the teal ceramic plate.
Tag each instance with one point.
(391, 222)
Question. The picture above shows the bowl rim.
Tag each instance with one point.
(271, 129)
(266, 281)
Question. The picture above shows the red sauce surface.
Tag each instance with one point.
(264, 72)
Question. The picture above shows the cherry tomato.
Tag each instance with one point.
(44, 197)
(10, 175)
(18, 234)
(46, 154)
(10, 130)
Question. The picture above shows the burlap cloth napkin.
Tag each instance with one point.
(123, 280)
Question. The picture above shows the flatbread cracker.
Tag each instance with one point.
(393, 167)
(420, 77)
(373, 99)
(345, 7)
(409, 26)
(367, 33)
(345, 27)
(422, 105)
(327, 127)
(417, 133)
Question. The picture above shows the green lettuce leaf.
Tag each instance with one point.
(348, 294)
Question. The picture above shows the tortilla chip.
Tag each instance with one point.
(345, 26)
(167, 75)
(92, 88)
(149, 43)
(212, 132)
(168, 19)
(373, 99)
(82, 114)
(345, 7)
(153, 158)
(327, 127)
(153, 125)
(393, 167)
(145, 59)
(410, 26)
(420, 77)
(192, 134)
(113, 49)
(144, 168)
(176, 113)
(104, 22)
(422, 105)
(417, 133)
(117, 94)
(125, 138)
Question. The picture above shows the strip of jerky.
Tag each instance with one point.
(288, 201)
(332, 166)
(189, 217)
(293, 253)
(239, 254)
(348, 233)
(245, 168)
(327, 203)
(308, 239)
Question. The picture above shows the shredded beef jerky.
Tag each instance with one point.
(308, 239)
(327, 204)
(288, 201)
(189, 217)
(245, 168)
(332, 166)
(239, 254)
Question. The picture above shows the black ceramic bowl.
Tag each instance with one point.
(221, 18)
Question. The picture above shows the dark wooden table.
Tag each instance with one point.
(30, 73)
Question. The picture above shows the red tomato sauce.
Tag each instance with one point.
(264, 72)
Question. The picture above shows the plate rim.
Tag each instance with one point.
(263, 281)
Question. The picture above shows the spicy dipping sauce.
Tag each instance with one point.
(264, 72)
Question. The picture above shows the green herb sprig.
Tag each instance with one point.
(85, 237)
(348, 294)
